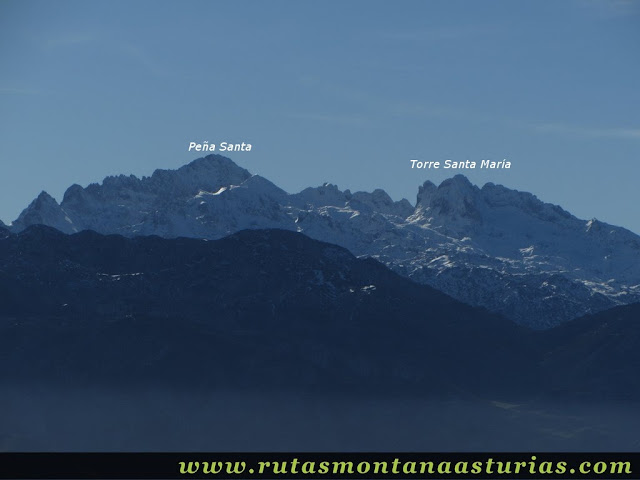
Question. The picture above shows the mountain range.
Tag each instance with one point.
(493, 247)
(152, 344)
(260, 309)
(273, 310)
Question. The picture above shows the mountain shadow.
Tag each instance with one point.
(263, 309)
(147, 343)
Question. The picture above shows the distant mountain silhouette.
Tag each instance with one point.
(596, 356)
(259, 308)
(273, 309)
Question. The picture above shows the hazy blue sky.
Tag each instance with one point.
(339, 91)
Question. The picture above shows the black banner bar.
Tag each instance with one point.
(319, 465)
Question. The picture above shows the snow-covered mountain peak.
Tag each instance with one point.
(73, 194)
(207, 173)
(121, 181)
(458, 182)
(213, 168)
(261, 186)
(425, 193)
(593, 225)
(44, 200)
(499, 248)
(380, 201)
(327, 195)
(499, 196)
(455, 205)
(456, 196)
(44, 210)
